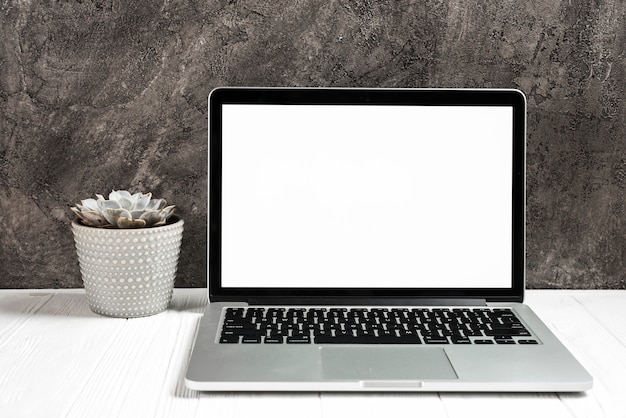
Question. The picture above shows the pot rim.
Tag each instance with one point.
(174, 221)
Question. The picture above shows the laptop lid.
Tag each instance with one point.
(337, 195)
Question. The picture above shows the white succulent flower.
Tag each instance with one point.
(123, 210)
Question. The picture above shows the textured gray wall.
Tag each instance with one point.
(96, 95)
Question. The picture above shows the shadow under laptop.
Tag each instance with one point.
(182, 391)
(370, 404)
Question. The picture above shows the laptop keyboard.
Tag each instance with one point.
(278, 325)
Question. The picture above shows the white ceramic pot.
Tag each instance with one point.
(128, 272)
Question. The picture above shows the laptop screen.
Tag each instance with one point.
(342, 192)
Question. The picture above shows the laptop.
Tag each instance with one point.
(370, 240)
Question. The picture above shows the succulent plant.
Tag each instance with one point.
(123, 210)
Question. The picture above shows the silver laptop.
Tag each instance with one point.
(370, 240)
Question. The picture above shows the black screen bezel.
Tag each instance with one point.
(355, 96)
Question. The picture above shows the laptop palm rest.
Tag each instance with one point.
(385, 363)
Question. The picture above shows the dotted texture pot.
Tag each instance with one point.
(128, 272)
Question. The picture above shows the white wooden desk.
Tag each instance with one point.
(58, 359)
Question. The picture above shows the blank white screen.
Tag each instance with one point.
(366, 196)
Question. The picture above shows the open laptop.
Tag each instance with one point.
(370, 240)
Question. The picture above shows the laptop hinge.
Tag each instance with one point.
(366, 302)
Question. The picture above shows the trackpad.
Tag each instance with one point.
(385, 362)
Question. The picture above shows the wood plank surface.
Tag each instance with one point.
(58, 359)
(588, 323)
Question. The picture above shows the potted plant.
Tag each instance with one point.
(128, 248)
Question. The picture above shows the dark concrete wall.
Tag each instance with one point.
(96, 95)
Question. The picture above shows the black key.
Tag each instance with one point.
(366, 339)
(239, 326)
(516, 326)
(474, 333)
(392, 339)
(251, 339)
(527, 342)
(436, 340)
(460, 340)
(508, 329)
(483, 341)
(299, 339)
(242, 330)
(229, 339)
(504, 332)
(275, 312)
(339, 339)
(234, 313)
(273, 340)
(500, 341)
